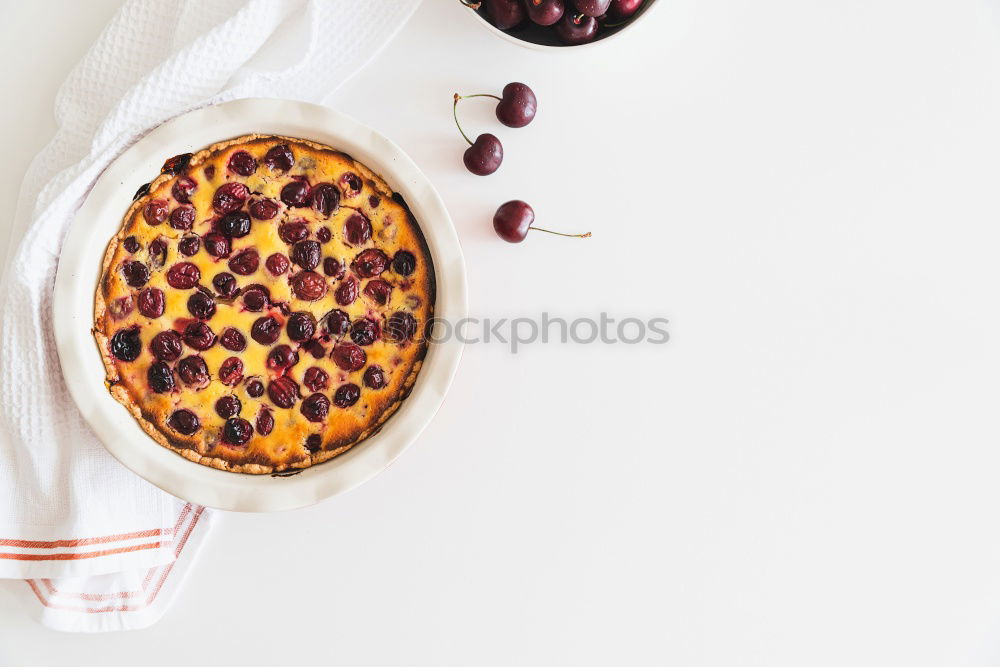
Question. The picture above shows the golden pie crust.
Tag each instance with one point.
(297, 438)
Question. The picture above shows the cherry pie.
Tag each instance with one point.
(263, 306)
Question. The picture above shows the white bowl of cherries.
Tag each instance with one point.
(556, 24)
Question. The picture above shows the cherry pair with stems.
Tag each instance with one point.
(516, 108)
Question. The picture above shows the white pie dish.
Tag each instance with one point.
(99, 219)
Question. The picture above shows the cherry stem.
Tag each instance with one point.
(454, 108)
(575, 236)
(465, 97)
(454, 111)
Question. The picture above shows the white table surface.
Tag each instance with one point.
(807, 474)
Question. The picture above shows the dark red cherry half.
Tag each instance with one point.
(160, 377)
(400, 327)
(217, 245)
(282, 357)
(346, 395)
(245, 262)
(348, 356)
(279, 158)
(308, 285)
(155, 211)
(157, 253)
(225, 285)
(235, 224)
(276, 264)
(315, 407)
(183, 188)
(199, 336)
(357, 229)
(325, 199)
(333, 267)
(265, 330)
(189, 245)
(228, 406)
(126, 344)
(201, 305)
(136, 273)
(300, 326)
(296, 194)
(347, 291)
(265, 422)
(183, 275)
(306, 254)
(404, 263)
(283, 391)
(316, 379)
(242, 163)
(166, 346)
(351, 183)
(264, 209)
(336, 322)
(231, 372)
(256, 298)
(364, 331)
(233, 340)
(374, 377)
(230, 197)
(370, 263)
(182, 218)
(184, 422)
(315, 348)
(237, 432)
(121, 306)
(193, 371)
(151, 302)
(293, 232)
(378, 291)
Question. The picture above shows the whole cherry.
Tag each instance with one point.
(593, 8)
(545, 12)
(482, 157)
(512, 222)
(577, 29)
(505, 14)
(623, 9)
(516, 107)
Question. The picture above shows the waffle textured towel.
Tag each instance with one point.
(99, 548)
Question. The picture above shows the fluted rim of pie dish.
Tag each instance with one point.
(99, 218)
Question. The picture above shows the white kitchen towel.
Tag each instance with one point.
(101, 548)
